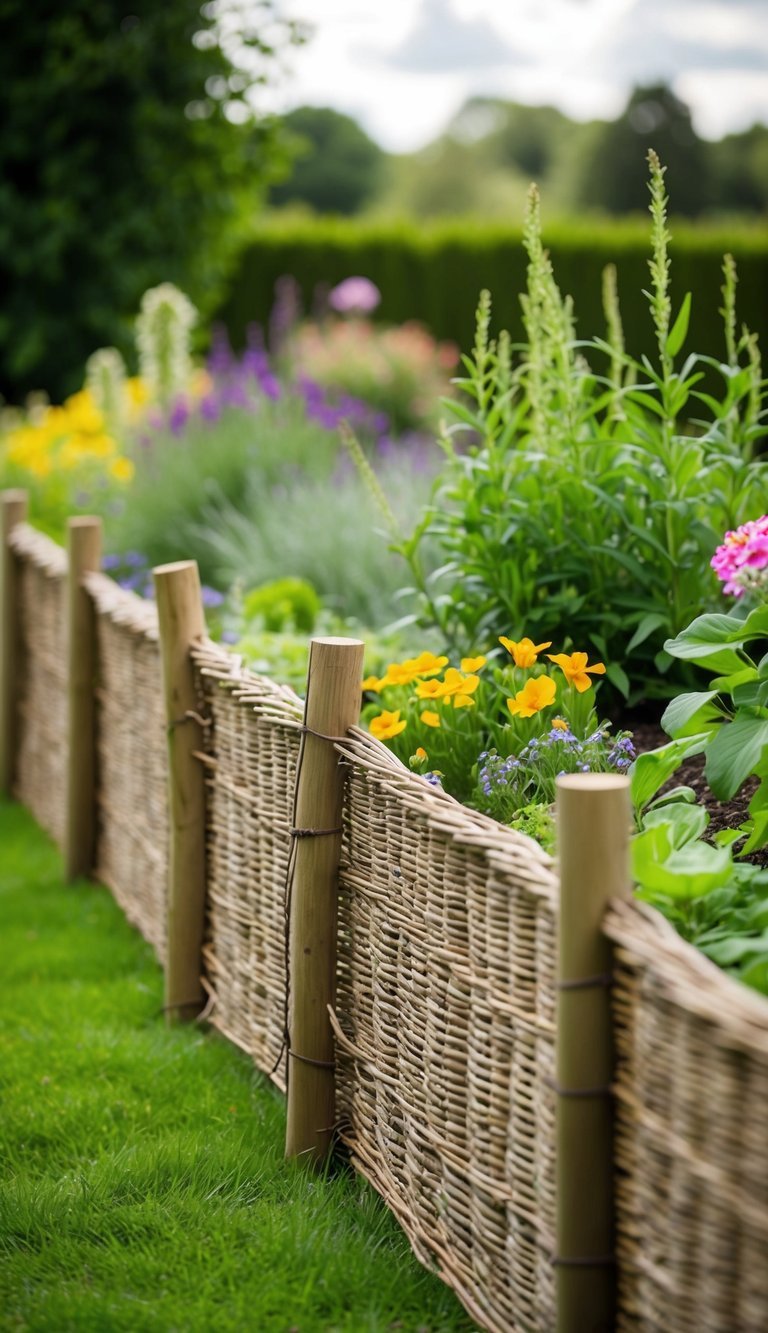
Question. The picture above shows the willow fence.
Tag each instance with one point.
(561, 1101)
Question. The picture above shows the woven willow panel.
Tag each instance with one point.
(692, 1137)
(252, 745)
(41, 763)
(132, 838)
(445, 1034)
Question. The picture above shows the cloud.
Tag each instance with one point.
(443, 43)
(654, 43)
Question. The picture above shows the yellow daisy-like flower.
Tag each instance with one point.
(455, 682)
(470, 664)
(536, 694)
(414, 668)
(122, 469)
(430, 719)
(524, 652)
(574, 668)
(386, 725)
(373, 683)
(559, 724)
(463, 701)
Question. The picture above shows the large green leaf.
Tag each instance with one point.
(650, 771)
(684, 822)
(707, 641)
(734, 752)
(689, 872)
(690, 714)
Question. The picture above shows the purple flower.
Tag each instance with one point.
(211, 597)
(354, 296)
(178, 416)
(210, 407)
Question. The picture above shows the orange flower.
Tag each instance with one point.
(430, 719)
(537, 693)
(471, 664)
(574, 668)
(525, 652)
(456, 683)
(420, 752)
(386, 725)
(414, 668)
(560, 724)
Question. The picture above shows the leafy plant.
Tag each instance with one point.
(588, 499)
(496, 738)
(733, 714)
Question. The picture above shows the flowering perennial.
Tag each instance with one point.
(741, 562)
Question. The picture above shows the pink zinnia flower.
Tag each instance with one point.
(741, 563)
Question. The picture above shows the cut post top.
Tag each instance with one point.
(592, 782)
(84, 521)
(333, 642)
(174, 567)
(14, 496)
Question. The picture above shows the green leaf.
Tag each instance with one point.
(679, 329)
(686, 794)
(690, 714)
(689, 872)
(751, 694)
(650, 771)
(705, 641)
(618, 677)
(734, 752)
(683, 822)
(758, 810)
(737, 949)
(756, 974)
(654, 620)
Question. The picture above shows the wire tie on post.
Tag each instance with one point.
(315, 832)
(587, 983)
(305, 1060)
(595, 1261)
(603, 1091)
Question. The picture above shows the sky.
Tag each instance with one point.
(402, 68)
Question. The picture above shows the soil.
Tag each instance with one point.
(648, 735)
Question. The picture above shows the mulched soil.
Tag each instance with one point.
(648, 735)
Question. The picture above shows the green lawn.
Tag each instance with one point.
(142, 1184)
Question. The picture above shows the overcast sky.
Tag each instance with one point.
(403, 67)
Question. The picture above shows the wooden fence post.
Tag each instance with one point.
(594, 823)
(181, 621)
(84, 556)
(13, 510)
(332, 706)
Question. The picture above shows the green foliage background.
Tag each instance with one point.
(120, 167)
(434, 271)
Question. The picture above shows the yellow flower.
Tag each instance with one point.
(414, 668)
(525, 652)
(559, 724)
(373, 683)
(430, 689)
(471, 664)
(574, 668)
(386, 725)
(420, 752)
(122, 469)
(430, 719)
(454, 682)
(463, 701)
(538, 693)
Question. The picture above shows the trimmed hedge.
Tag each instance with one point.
(435, 272)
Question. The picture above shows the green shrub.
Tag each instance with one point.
(595, 486)
(433, 272)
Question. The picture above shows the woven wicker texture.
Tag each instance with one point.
(252, 745)
(41, 761)
(445, 1034)
(692, 1136)
(132, 839)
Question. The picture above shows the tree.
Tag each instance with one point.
(337, 167)
(126, 149)
(615, 177)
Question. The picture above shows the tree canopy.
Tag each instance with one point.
(337, 166)
(127, 145)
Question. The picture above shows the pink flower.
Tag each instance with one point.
(741, 563)
(354, 296)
